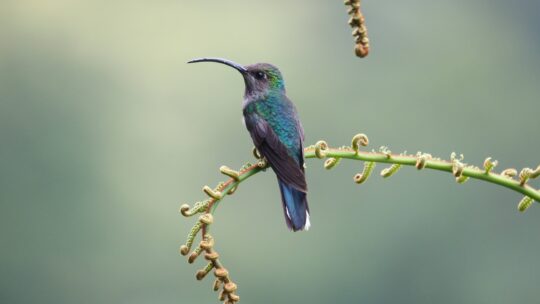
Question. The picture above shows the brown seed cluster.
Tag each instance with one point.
(358, 24)
(223, 283)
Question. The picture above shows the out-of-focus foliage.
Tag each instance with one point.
(105, 132)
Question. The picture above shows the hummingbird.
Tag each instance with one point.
(274, 125)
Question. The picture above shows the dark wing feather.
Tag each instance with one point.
(287, 169)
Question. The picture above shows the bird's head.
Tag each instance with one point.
(261, 79)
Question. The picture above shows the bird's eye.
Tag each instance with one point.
(260, 75)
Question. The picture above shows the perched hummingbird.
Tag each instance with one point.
(273, 123)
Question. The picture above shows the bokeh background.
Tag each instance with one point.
(105, 132)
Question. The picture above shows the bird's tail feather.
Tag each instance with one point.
(295, 207)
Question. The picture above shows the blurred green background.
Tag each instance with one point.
(105, 132)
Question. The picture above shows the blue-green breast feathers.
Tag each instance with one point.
(281, 115)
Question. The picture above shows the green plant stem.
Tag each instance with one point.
(440, 165)
(230, 184)
(405, 160)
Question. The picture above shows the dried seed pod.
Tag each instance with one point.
(200, 275)
(199, 207)
(184, 209)
(212, 256)
(221, 273)
(203, 272)
(230, 287)
(361, 50)
(320, 149)
(362, 177)
(212, 193)
(217, 284)
(524, 175)
(194, 255)
(359, 140)
(421, 160)
(331, 163)
(184, 250)
(207, 243)
(420, 163)
(353, 21)
(262, 163)
(387, 172)
(230, 172)
(234, 297)
(206, 219)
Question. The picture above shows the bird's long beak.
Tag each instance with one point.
(232, 64)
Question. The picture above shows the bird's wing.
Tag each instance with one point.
(288, 169)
